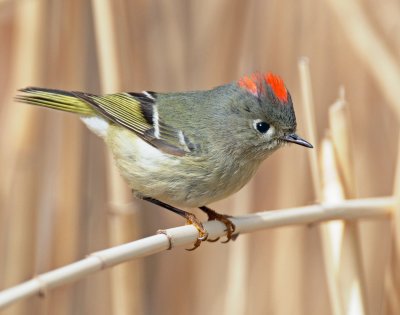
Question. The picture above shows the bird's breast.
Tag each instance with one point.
(186, 181)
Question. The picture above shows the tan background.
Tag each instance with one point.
(53, 202)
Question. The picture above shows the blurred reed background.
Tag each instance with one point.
(58, 196)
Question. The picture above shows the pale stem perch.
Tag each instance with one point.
(185, 236)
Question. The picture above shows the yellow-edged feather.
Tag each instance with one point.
(56, 99)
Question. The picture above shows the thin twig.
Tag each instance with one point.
(186, 235)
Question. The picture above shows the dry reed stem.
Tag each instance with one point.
(339, 124)
(351, 278)
(325, 186)
(185, 236)
(346, 286)
(368, 44)
(308, 104)
(19, 121)
(341, 136)
(236, 299)
(331, 233)
(68, 223)
(17, 147)
(327, 244)
(329, 241)
(385, 69)
(126, 292)
(392, 273)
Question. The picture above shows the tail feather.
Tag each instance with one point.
(56, 99)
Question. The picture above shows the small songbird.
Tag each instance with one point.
(186, 149)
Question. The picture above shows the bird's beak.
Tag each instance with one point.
(296, 139)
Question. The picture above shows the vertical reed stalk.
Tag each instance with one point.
(311, 129)
(236, 299)
(352, 279)
(18, 142)
(331, 233)
(124, 225)
(325, 184)
(392, 273)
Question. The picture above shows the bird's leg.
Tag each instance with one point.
(230, 227)
(190, 219)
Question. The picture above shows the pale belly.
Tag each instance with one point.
(180, 181)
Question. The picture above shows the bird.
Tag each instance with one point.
(183, 150)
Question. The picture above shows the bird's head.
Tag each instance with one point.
(267, 107)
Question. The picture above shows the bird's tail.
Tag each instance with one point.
(56, 99)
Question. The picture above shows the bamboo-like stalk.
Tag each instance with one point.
(126, 279)
(185, 236)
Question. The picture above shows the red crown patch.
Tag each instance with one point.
(277, 86)
(253, 84)
(250, 83)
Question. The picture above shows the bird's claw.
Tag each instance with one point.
(230, 229)
(225, 219)
(203, 234)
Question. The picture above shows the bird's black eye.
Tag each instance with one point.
(262, 126)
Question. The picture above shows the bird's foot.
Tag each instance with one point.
(225, 219)
(203, 234)
(190, 219)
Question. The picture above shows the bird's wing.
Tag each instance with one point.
(138, 113)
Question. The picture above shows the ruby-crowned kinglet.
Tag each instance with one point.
(186, 149)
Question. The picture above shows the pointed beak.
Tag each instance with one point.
(294, 138)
